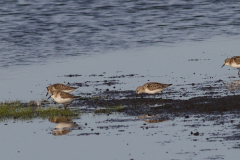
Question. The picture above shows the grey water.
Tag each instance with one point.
(120, 137)
(42, 31)
(170, 41)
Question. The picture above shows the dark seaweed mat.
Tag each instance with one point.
(193, 106)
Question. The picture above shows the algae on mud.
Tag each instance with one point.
(168, 108)
(19, 111)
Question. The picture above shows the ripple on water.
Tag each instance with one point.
(40, 30)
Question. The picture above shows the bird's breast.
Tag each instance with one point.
(153, 91)
(236, 65)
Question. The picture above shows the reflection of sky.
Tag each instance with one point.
(35, 140)
(168, 140)
(166, 64)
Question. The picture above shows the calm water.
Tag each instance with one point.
(41, 30)
(169, 41)
(121, 137)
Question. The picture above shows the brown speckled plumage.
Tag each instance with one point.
(154, 85)
(152, 88)
(233, 62)
(60, 87)
(66, 95)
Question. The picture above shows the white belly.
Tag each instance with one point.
(62, 125)
(235, 65)
(58, 99)
(153, 92)
(64, 128)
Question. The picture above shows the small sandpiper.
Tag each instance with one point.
(63, 98)
(60, 87)
(233, 62)
(63, 128)
(152, 88)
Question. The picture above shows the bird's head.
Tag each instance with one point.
(226, 62)
(139, 90)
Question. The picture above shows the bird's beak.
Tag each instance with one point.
(223, 65)
(48, 97)
(46, 94)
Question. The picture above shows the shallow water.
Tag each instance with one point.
(199, 63)
(126, 43)
(121, 137)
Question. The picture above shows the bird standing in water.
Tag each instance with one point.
(233, 62)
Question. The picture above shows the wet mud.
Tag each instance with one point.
(210, 97)
(203, 116)
(196, 104)
(207, 108)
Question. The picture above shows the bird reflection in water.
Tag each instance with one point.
(64, 125)
(233, 86)
(63, 128)
(152, 118)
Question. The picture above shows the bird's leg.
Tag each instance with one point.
(239, 72)
(67, 105)
(161, 96)
(48, 97)
(46, 94)
(154, 96)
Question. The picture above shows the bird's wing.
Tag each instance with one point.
(237, 59)
(69, 87)
(59, 86)
(63, 87)
(66, 95)
(153, 86)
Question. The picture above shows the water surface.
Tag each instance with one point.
(121, 137)
(39, 31)
(179, 42)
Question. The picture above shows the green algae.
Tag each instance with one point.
(20, 111)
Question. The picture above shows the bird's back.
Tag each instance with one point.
(155, 85)
(235, 59)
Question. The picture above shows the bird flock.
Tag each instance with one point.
(61, 93)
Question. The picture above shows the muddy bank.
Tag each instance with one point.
(210, 98)
(193, 106)
(195, 113)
